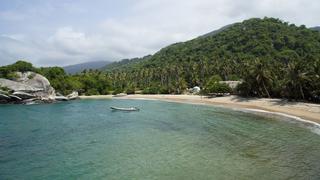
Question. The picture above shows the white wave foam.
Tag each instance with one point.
(313, 126)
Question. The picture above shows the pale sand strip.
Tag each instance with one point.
(303, 111)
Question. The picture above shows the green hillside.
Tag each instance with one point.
(267, 46)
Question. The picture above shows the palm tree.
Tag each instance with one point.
(296, 78)
(262, 76)
(316, 80)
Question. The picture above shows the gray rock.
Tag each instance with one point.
(17, 86)
(4, 92)
(61, 98)
(74, 95)
(15, 98)
(24, 95)
(4, 97)
(34, 80)
(29, 85)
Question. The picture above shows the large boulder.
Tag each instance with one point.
(18, 86)
(29, 85)
(34, 80)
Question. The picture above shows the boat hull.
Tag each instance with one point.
(124, 109)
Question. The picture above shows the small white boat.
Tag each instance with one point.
(125, 109)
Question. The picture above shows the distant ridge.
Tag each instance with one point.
(77, 68)
(122, 64)
(317, 28)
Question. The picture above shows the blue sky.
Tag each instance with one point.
(63, 32)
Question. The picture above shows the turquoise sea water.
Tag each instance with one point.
(85, 140)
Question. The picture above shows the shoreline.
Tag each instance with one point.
(303, 112)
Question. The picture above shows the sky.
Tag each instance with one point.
(64, 32)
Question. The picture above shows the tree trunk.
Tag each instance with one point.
(265, 89)
(301, 91)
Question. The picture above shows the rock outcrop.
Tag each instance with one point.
(26, 86)
(30, 87)
(74, 95)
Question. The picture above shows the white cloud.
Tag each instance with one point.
(73, 42)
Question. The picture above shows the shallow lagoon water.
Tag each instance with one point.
(85, 140)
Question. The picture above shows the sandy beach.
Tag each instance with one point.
(306, 111)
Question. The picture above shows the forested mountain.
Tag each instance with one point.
(273, 57)
(77, 68)
(129, 63)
